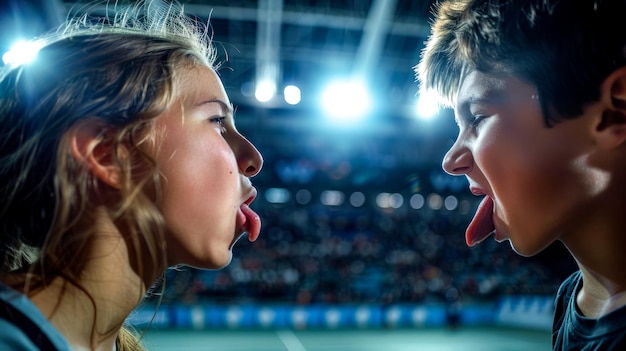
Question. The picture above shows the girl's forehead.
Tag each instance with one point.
(199, 82)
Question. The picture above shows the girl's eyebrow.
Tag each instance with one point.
(227, 108)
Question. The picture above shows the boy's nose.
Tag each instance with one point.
(458, 160)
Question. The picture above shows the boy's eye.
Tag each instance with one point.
(471, 121)
(475, 120)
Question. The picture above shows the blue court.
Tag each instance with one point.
(422, 339)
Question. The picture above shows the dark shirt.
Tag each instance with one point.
(572, 331)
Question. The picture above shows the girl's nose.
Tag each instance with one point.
(249, 158)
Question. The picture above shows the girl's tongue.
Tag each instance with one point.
(252, 222)
(482, 224)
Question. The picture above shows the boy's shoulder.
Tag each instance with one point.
(573, 331)
(569, 286)
(567, 289)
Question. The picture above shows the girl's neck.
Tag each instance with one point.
(91, 314)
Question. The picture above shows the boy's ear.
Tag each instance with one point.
(611, 128)
(91, 146)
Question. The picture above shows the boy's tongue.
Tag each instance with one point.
(482, 223)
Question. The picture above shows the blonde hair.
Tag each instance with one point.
(119, 71)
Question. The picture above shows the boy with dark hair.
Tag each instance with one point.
(538, 89)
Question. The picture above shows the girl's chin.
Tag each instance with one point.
(219, 264)
(213, 263)
(230, 258)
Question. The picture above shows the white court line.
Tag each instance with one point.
(290, 340)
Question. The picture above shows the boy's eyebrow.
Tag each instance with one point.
(489, 96)
(486, 97)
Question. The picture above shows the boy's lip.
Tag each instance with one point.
(477, 191)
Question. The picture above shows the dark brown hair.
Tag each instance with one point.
(565, 48)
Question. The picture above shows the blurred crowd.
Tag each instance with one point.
(316, 254)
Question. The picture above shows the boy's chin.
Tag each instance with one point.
(523, 250)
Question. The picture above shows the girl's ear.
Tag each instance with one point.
(91, 146)
(611, 127)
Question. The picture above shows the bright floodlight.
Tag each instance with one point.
(427, 106)
(292, 94)
(265, 91)
(21, 52)
(346, 100)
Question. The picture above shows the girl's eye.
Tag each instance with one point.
(220, 122)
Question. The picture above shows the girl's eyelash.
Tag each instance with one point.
(218, 119)
(220, 122)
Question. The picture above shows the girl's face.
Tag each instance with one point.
(536, 180)
(206, 167)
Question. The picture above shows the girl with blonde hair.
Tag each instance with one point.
(119, 158)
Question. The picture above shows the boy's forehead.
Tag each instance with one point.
(471, 76)
(492, 87)
(477, 83)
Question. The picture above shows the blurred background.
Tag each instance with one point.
(361, 227)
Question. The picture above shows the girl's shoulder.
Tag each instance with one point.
(23, 327)
(12, 337)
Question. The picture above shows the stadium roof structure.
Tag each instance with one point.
(307, 43)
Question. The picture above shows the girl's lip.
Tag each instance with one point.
(251, 196)
(251, 222)
(248, 222)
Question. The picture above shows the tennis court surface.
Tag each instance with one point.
(419, 339)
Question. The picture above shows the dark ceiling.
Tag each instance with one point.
(309, 42)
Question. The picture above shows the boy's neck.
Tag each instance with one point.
(599, 295)
(597, 246)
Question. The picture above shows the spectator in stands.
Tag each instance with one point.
(539, 93)
(119, 157)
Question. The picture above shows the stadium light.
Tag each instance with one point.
(265, 91)
(427, 106)
(21, 52)
(346, 100)
(292, 95)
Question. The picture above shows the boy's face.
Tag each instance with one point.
(535, 179)
(205, 165)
